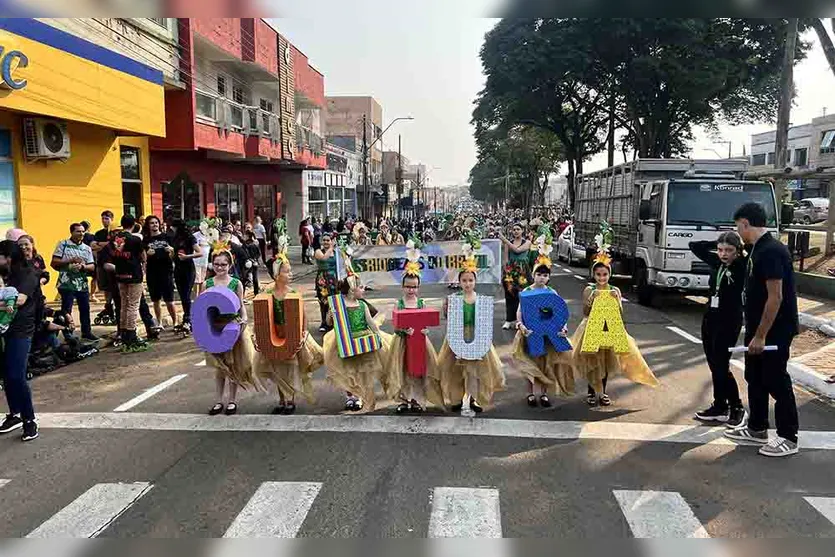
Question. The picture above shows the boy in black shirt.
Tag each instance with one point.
(770, 320)
(128, 260)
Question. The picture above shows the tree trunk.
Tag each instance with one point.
(610, 139)
(570, 182)
(826, 42)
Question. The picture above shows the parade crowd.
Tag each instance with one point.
(751, 283)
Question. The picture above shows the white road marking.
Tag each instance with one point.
(459, 512)
(4, 482)
(738, 364)
(149, 393)
(578, 277)
(684, 334)
(659, 514)
(824, 505)
(200, 364)
(92, 512)
(622, 297)
(568, 270)
(425, 425)
(276, 510)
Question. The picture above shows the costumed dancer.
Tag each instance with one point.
(325, 275)
(412, 387)
(553, 372)
(594, 361)
(295, 374)
(356, 374)
(479, 379)
(233, 367)
(517, 272)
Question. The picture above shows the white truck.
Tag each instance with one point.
(656, 207)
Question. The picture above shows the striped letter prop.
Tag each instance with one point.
(279, 342)
(605, 327)
(478, 347)
(545, 313)
(347, 345)
(417, 319)
(214, 302)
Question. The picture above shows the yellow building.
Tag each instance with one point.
(74, 121)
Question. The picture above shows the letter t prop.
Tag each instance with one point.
(417, 319)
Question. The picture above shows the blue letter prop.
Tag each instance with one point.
(545, 313)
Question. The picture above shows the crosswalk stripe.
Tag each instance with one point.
(201, 363)
(4, 482)
(277, 510)
(92, 512)
(567, 270)
(578, 277)
(135, 401)
(459, 512)
(684, 334)
(824, 505)
(659, 514)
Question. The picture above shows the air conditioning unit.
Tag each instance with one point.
(45, 139)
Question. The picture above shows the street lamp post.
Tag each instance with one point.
(366, 148)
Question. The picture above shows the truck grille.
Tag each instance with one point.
(700, 268)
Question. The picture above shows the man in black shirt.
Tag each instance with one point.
(770, 320)
(128, 260)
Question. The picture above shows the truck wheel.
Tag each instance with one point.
(645, 291)
(570, 259)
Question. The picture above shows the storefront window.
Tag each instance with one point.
(229, 200)
(8, 198)
(316, 193)
(181, 200)
(334, 202)
(264, 202)
(316, 209)
(131, 182)
(206, 106)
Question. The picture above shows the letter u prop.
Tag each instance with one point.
(483, 334)
(605, 326)
(417, 319)
(545, 313)
(279, 342)
(348, 345)
(206, 336)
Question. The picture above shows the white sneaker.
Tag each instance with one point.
(779, 447)
(507, 325)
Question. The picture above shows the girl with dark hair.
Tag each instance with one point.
(187, 250)
(517, 272)
(17, 339)
(159, 268)
(722, 324)
(597, 366)
(325, 276)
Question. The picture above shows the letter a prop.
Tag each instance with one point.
(279, 342)
(483, 335)
(206, 336)
(417, 319)
(605, 326)
(545, 313)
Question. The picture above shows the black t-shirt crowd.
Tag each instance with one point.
(186, 247)
(27, 282)
(160, 263)
(770, 260)
(126, 253)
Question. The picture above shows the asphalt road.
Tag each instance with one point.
(641, 467)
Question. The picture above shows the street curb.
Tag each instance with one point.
(811, 380)
(825, 326)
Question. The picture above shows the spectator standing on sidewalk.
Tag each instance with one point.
(253, 253)
(770, 320)
(128, 261)
(187, 248)
(73, 259)
(306, 239)
(17, 340)
(721, 324)
(159, 268)
(100, 240)
(261, 235)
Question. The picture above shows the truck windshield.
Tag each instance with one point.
(715, 203)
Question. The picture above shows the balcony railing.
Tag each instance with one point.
(229, 115)
(307, 139)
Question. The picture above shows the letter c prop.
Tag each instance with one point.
(206, 336)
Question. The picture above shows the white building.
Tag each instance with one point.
(804, 148)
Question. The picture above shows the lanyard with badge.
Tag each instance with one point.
(720, 274)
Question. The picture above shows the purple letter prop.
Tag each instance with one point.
(207, 338)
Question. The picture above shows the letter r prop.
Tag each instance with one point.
(206, 336)
(545, 313)
(417, 319)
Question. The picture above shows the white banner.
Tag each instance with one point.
(440, 263)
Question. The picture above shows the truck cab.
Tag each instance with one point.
(678, 211)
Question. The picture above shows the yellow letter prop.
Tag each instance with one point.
(605, 326)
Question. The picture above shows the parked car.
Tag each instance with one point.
(567, 250)
(811, 210)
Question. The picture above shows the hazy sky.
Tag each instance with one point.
(421, 59)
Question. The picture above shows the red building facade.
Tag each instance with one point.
(231, 132)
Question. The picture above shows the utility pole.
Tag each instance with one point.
(399, 177)
(364, 169)
(417, 184)
(784, 109)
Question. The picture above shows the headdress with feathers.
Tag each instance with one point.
(412, 268)
(472, 243)
(209, 228)
(604, 241)
(544, 246)
(282, 244)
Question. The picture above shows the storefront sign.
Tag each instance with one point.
(313, 178)
(440, 264)
(10, 61)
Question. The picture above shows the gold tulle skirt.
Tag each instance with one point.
(594, 366)
(555, 369)
(293, 376)
(481, 379)
(236, 365)
(398, 378)
(358, 374)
